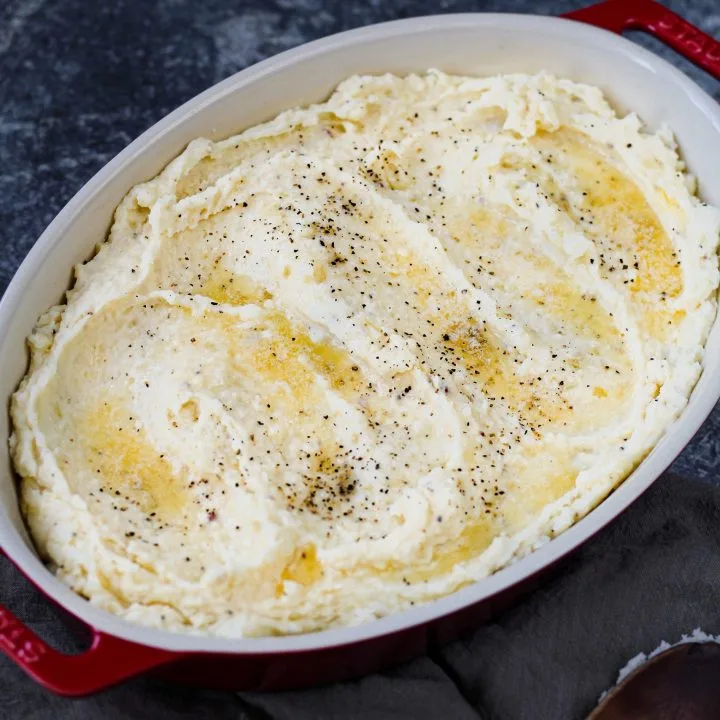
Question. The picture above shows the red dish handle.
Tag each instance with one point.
(108, 661)
(664, 24)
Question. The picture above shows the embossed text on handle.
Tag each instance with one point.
(18, 641)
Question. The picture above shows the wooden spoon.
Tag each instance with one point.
(681, 683)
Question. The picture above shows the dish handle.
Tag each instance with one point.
(108, 661)
(657, 20)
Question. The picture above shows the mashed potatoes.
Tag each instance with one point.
(365, 354)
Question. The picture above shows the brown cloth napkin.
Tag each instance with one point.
(652, 575)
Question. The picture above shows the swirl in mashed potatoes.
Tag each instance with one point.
(362, 355)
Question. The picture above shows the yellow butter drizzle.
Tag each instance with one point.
(124, 460)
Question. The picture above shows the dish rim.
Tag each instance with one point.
(665, 450)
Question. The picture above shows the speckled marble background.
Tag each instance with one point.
(80, 79)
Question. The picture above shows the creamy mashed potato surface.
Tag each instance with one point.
(365, 354)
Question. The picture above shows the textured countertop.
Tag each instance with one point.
(78, 81)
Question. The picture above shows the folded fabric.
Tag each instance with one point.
(652, 575)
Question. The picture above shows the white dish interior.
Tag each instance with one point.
(481, 44)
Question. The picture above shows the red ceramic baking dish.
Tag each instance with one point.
(471, 44)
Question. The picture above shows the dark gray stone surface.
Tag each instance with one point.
(653, 575)
(78, 81)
